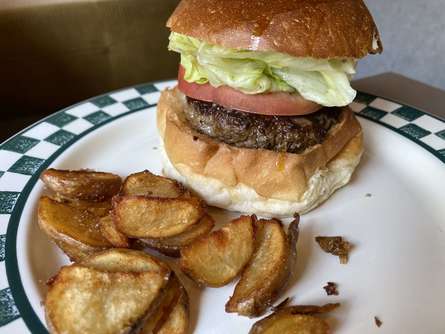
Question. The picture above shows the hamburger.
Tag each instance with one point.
(259, 121)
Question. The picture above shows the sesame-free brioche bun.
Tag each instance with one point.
(258, 181)
(300, 28)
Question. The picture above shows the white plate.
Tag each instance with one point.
(393, 211)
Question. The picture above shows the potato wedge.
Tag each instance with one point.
(82, 184)
(172, 315)
(112, 234)
(171, 246)
(84, 300)
(99, 209)
(218, 258)
(166, 304)
(111, 292)
(268, 270)
(76, 231)
(310, 309)
(143, 217)
(294, 319)
(125, 260)
(148, 184)
(75, 252)
(178, 319)
(288, 323)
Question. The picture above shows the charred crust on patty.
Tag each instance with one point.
(290, 134)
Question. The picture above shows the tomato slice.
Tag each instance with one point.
(277, 104)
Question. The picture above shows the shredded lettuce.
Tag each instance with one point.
(324, 81)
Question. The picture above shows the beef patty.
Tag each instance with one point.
(292, 134)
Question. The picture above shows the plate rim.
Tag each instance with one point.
(18, 304)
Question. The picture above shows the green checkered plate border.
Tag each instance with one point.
(24, 156)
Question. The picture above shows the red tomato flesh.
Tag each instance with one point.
(277, 104)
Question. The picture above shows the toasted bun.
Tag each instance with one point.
(301, 28)
(255, 180)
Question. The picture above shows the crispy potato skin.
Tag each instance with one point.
(75, 252)
(172, 246)
(288, 323)
(216, 259)
(74, 230)
(310, 309)
(112, 234)
(267, 272)
(144, 217)
(151, 185)
(83, 185)
(166, 304)
(295, 319)
(172, 314)
(178, 320)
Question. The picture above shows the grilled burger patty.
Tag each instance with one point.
(292, 134)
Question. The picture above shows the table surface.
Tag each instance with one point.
(387, 85)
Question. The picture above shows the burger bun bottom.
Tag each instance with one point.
(244, 199)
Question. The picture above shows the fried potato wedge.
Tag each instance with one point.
(295, 319)
(111, 292)
(112, 234)
(178, 319)
(171, 310)
(172, 315)
(268, 270)
(218, 258)
(166, 305)
(99, 209)
(82, 184)
(74, 230)
(172, 246)
(310, 309)
(125, 260)
(288, 323)
(148, 184)
(75, 252)
(144, 217)
(84, 300)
